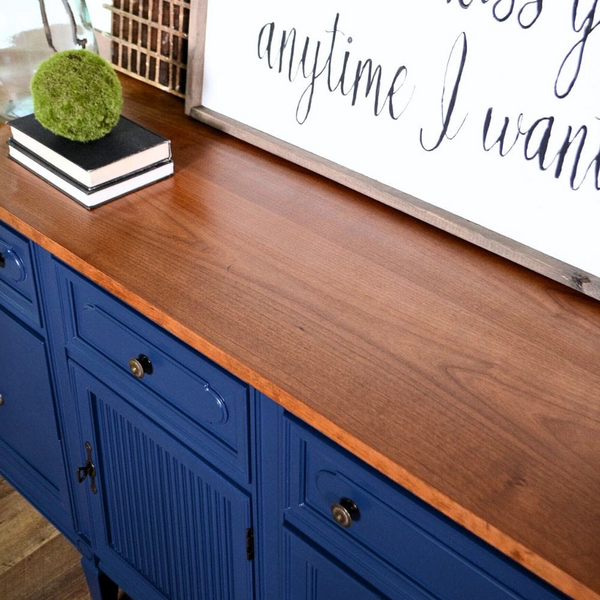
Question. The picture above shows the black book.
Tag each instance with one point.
(89, 197)
(128, 148)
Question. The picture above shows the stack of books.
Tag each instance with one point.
(92, 173)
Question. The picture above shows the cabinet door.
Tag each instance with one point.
(314, 576)
(165, 524)
(29, 442)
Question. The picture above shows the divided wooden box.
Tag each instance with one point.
(150, 41)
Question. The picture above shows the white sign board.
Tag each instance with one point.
(486, 109)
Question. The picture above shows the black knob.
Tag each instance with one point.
(140, 366)
(345, 512)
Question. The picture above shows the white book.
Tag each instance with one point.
(89, 197)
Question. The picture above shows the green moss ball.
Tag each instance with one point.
(77, 95)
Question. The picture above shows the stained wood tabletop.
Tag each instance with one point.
(469, 380)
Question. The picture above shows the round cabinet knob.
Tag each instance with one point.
(345, 512)
(140, 366)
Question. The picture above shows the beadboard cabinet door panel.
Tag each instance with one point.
(165, 523)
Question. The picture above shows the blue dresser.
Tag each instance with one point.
(175, 479)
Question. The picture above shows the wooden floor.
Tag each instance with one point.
(36, 561)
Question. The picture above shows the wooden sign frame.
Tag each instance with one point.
(514, 251)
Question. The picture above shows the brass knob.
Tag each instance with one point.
(1, 400)
(345, 512)
(140, 366)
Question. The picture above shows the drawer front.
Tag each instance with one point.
(316, 576)
(393, 529)
(17, 283)
(191, 394)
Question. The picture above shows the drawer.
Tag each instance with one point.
(189, 394)
(17, 282)
(316, 576)
(390, 532)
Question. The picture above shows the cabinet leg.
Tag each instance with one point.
(101, 586)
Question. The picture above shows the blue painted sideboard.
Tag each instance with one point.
(175, 479)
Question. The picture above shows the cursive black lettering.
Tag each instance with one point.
(448, 105)
(561, 155)
(536, 140)
(287, 38)
(373, 82)
(264, 49)
(397, 84)
(594, 166)
(501, 139)
(502, 10)
(367, 77)
(305, 102)
(530, 13)
(508, 10)
(570, 67)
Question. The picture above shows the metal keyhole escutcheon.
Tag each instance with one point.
(88, 470)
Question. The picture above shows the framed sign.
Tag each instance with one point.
(480, 117)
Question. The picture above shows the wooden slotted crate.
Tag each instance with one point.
(149, 41)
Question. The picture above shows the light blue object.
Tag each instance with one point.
(31, 31)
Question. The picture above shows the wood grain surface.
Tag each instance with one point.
(463, 228)
(36, 561)
(466, 378)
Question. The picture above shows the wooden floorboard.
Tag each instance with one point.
(36, 561)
